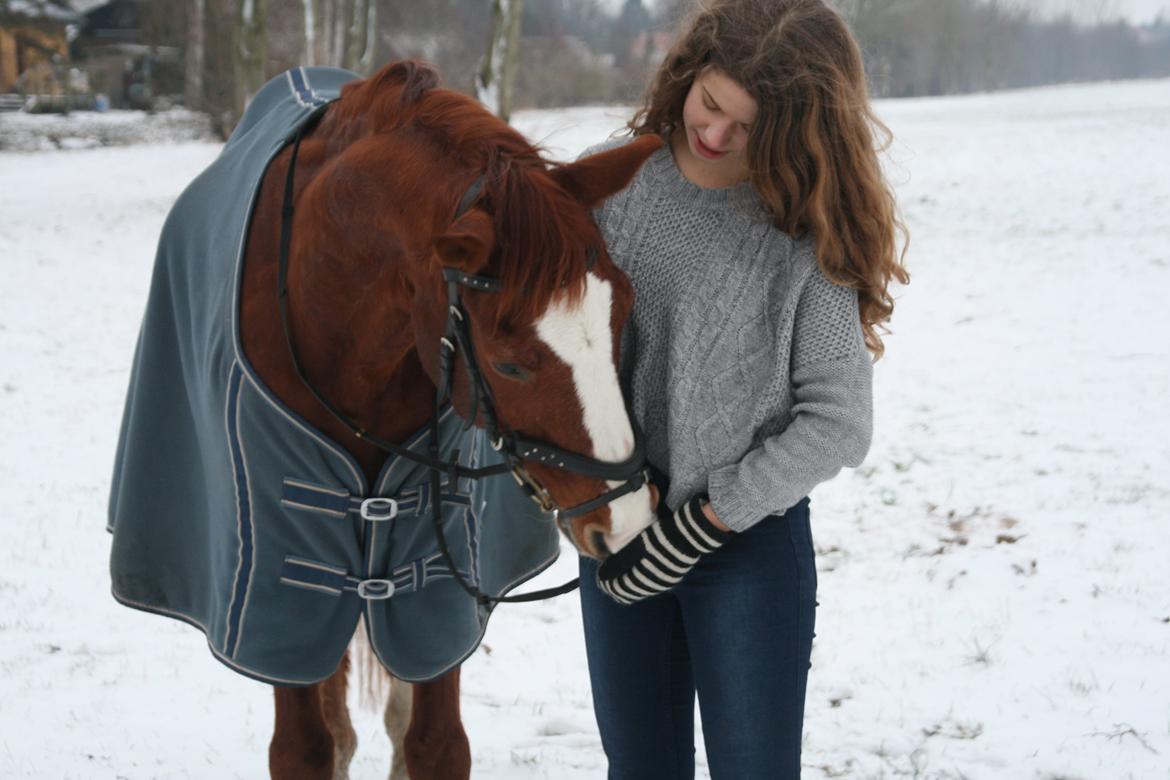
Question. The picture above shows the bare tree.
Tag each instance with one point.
(497, 72)
(320, 37)
(252, 51)
(340, 33)
(360, 36)
(193, 78)
(222, 97)
(310, 14)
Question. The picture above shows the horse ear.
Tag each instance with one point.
(594, 178)
(467, 244)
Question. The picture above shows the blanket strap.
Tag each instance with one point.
(334, 580)
(299, 494)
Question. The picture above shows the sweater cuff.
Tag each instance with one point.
(735, 509)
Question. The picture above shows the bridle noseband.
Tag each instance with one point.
(515, 449)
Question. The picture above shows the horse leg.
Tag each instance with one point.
(336, 715)
(397, 720)
(436, 745)
(303, 740)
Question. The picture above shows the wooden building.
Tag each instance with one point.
(34, 45)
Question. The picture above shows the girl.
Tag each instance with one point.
(760, 240)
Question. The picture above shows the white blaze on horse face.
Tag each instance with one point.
(581, 336)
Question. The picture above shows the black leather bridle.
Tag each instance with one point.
(514, 448)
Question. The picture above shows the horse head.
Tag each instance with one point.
(512, 302)
(548, 336)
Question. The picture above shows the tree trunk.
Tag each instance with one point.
(359, 36)
(497, 73)
(252, 51)
(511, 58)
(366, 63)
(193, 78)
(310, 57)
(486, 81)
(337, 24)
(223, 95)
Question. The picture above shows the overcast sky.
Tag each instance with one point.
(1093, 10)
(1086, 10)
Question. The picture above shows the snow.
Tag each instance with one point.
(994, 589)
(39, 10)
(23, 132)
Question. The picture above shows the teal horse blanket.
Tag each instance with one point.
(230, 512)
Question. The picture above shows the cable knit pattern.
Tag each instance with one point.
(744, 366)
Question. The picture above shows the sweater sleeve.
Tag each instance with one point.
(832, 413)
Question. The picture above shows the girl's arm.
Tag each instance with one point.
(832, 413)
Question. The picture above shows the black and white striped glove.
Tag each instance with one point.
(659, 557)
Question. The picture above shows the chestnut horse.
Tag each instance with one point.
(377, 182)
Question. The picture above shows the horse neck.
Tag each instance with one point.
(350, 309)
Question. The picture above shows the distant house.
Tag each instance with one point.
(34, 45)
(110, 46)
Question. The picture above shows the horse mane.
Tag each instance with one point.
(541, 231)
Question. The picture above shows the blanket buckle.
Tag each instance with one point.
(379, 509)
(375, 590)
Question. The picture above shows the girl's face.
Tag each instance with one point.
(717, 116)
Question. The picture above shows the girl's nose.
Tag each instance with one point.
(720, 134)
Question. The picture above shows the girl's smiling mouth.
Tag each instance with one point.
(706, 151)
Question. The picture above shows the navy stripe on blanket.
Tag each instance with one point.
(244, 509)
(300, 82)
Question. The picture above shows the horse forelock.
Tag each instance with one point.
(378, 101)
(542, 239)
(542, 232)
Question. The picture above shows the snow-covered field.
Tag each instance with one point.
(994, 580)
(23, 132)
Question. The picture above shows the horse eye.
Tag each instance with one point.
(510, 370)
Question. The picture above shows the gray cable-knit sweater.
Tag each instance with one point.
(745, 367)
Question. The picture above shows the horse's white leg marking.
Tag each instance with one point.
(582, 338)
(397, 721)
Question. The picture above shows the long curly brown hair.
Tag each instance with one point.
(813, 148)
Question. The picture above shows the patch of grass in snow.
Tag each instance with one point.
(1122, 730)
(525, 758)
(1028, 570)
(829, 558)
(840, 698)
(831, 771)
(913, 764)
(954, 729)
(980, 655)
(1083, 687)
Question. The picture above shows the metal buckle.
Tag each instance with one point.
(538, 492)
(370, 505)
(375, 590)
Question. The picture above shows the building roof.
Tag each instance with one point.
(56, 10)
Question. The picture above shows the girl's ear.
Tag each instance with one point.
(594, 178)
(467, 244)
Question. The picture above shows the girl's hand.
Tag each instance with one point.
(659, 557)
(715, 521)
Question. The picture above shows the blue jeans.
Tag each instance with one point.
(737, 630)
